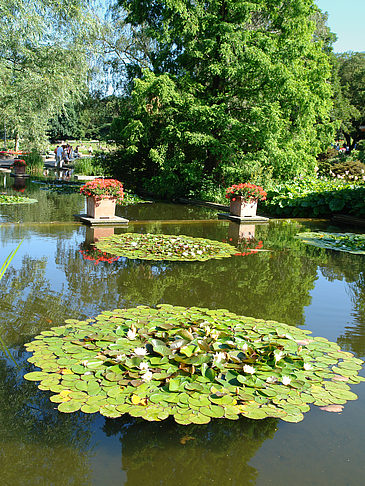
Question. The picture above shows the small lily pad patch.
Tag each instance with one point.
(15, 199)
(192, 363)
(348, 242)
(164, 247)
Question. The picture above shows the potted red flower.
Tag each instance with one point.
(243, 199)
(102, 196)
(19, 166)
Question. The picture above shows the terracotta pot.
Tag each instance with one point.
(243, 209)
(101, 208)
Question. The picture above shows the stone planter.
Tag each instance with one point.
(100, 208)
(243, 209)
(19, 170)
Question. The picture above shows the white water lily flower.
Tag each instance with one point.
(271, 379)
(249, 369)
(244, 347)
(143, 366)
(278, 355)
(131, 334)
(88, 373)
(147, 376)
(218, 357)
(140, 351)
(84, 363)
(134, 243)
(119, 357)
(214, 334)
(307, 366)
(285, 380)
(199, 252)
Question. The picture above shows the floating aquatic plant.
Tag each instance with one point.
(164, 247)
(15, 199)
(348, 242)
(192, 363)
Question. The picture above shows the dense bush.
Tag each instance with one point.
(351, 169)
(315, 197)
(89, 167)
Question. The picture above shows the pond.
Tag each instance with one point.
(50, 280)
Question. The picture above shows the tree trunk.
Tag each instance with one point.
(16, 144)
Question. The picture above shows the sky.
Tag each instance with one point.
(346, 18)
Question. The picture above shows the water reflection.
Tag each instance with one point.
(166, 453)
(39, 445)
(50, 281)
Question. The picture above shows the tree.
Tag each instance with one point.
(350, 95)
(245, 87)
(42, 63)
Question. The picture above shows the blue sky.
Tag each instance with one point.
(346, 18)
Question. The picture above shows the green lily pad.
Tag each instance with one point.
(194, 364)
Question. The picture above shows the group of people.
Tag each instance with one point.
(64, 154)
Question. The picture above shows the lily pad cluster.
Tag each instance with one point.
(15, 199)
(194, 364)
(164, 247)
(348, 242)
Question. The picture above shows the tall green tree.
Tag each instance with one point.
(42, 63)
(235, 86)
(350, 95)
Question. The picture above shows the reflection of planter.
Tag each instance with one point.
(243, 209)
(101, 208)
(237, 232)
(19, 183)
(94, 233)
(19, 170)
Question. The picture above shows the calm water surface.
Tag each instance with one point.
(50, 281)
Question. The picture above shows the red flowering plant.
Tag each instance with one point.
(249, 192)
(103, 188)
(19, 163)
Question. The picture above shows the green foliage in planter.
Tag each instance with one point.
(9, 199)
(348, 242)
(34, 161)
(192, 363)
(315, 197)
(164, 247)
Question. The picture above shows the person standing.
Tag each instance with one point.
(59, 154)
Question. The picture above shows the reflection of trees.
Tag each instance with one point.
(351, 268)
(28, 303)
(243, 285)
(164, 211)
(272, 285)
(39, 445)
(166, 453)
(50, 206)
